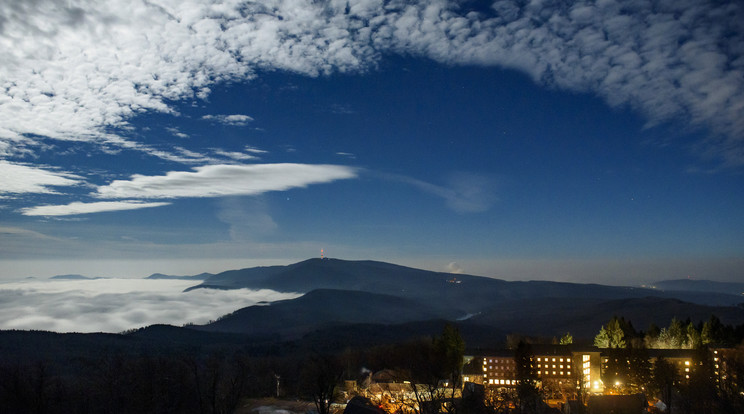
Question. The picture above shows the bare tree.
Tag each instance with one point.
(318, 380)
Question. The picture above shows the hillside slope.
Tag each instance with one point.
(323, 308)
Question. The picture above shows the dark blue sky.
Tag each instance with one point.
(448, 141)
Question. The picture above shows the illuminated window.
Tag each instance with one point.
(561, 359)
(553, 359)
(561, 372)
(568, 359)
(538, 359)
(490, 381)
(539, 372)
(561, 366)
(687, 363)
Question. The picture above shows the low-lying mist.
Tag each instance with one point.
(115, 305)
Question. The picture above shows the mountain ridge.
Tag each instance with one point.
(359, 292)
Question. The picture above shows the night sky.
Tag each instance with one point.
(587, 141)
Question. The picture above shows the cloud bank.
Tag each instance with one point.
(115, 305)
(79, 70)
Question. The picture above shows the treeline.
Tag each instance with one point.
(619, 333)
(713, 381)
(214, 381)
(124, 383)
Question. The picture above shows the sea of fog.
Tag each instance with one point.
(115, 305)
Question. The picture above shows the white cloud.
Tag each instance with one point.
(233, 120)
(176, 132)
(21, 179)
(73, 69)
(225, 180)
(87, 208)
(114, 305)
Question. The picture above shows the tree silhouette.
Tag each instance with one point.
(318, 380)
(665, 377)
(528, 393)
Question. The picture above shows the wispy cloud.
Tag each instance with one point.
(238, 156)
(463, 192)
(225, 180)
(87, 208)
(255, 150)
(248, 218)
(21, 178)
(346, 154)
(221, 180)
(232, 120)
(25, 233)
(75, 70)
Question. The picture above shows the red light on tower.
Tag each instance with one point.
(321, 254)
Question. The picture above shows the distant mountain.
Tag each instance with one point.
(361, 292)
(470, 294)
(73, 277)
(701, 286)
(200, 276)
